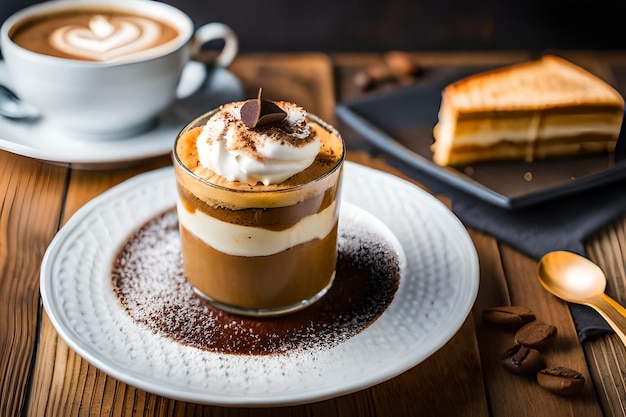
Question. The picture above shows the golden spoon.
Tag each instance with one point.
(576, 279)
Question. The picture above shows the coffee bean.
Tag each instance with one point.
(561, 380)
(522, 360)
(535, 334)
(397, 67)
(364, 80)
(373, 76)
(402, 66)
(509, 317)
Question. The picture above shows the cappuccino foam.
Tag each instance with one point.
(99, 35)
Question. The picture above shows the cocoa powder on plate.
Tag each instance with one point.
(149, 282)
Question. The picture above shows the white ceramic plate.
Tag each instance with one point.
(41, 141)
(438, 286)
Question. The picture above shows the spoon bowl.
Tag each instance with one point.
(12, 107)
(571, 277)
(576, 279)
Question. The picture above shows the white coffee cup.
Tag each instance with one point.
(108, 100)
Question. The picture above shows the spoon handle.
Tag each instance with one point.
(613, 313)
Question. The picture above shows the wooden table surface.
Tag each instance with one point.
(41, 375)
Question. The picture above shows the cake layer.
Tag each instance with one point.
(506, 150)
(546, 83)
(528, 132)
(510, 112)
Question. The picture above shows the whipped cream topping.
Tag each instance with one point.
(268, 154)
(107, 39)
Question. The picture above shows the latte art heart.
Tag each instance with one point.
(107, 39)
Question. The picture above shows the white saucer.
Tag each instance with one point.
(40, 141)
(438, 286)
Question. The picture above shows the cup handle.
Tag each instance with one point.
(212, 31)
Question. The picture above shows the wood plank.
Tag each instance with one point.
(62, 381)
(437, 386)
(509, 278)
(566, 349)
(607, 355)
(29, 217)
(85, 185)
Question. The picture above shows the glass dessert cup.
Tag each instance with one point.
(259, 250)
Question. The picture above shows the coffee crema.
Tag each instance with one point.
(99, 35)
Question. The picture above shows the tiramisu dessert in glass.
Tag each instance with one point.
(258, 203)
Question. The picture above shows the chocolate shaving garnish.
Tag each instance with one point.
(259, 112)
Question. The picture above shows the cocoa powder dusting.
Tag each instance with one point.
(149, 282)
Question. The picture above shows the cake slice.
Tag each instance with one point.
(536, 109)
